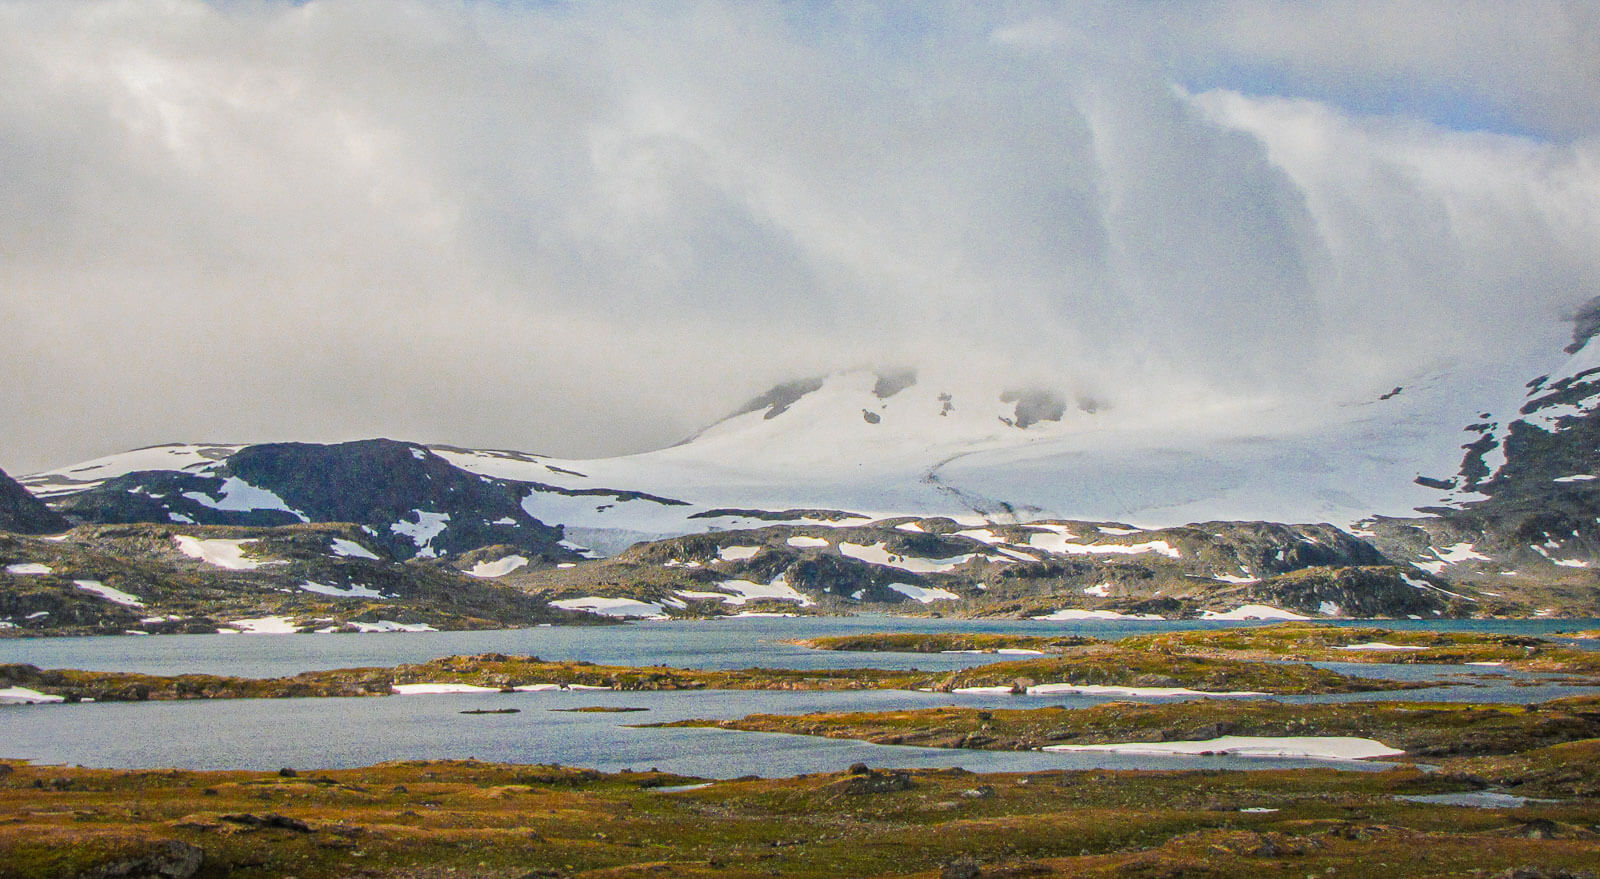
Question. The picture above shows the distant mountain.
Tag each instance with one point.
(1471, 489)
(22, 513)
(407, 499)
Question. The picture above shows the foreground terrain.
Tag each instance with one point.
(470, 819)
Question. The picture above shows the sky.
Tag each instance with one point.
(590, 229)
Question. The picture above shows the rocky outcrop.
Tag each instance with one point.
(22, 513)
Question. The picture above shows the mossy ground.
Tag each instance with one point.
(504, 671)
(1422, 729)
(1299, 642)
(464, 818)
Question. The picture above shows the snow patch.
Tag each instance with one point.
(1102, 591)
(241, 496)
(612, 607)
(218, 551)
(29, 569)
(1316, 747)
(497, 568)
(1379, 645)
(262, 626)
(1149, 692)
(1253, 612)
(1074, 614)
(802, 541)
(116, 596)
(438, 689)
(737, 553)
(390, 626)
(423, 531)
(25, 696)
(777, 589)
(926, 596)
(351, 591)
(1062, 544)
(878, 554)
(351, 550)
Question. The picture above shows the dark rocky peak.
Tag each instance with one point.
(22, 513)
(1585, 323)
(779, 398)
(1033, 406)
(414, 501)
(893, 381)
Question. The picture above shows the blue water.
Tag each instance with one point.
(331, 733)
(334, 733)
(731, 643)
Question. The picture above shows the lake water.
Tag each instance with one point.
(331, 733)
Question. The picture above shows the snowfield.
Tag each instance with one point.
(498, 567)
(217, 551)
(947, 445)
(1316, 747)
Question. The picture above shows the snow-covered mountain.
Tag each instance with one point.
(867, 444)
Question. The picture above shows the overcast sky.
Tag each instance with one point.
(590, 228)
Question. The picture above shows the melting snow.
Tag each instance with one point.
(262, 626)
(109, 594)
(498, 568)
(801, 540)
(1230, 578)
(1098, 690)
(777, 589)
(1329, 609)
(351, 591)
(1062, 545)
(435, 689)
(1459, 552)
(1253, 612)
(390, 626)
(1576, 477)
(25, 696)
(1073, 614)
(217, 551)
(423, 531)
(737, 553)
(878, 554)
(926, 596)
(611, 607)
(351, 550)
(241, 496)
(28, 569)
(1103, 590)
(1379, 645)
(1318, 747)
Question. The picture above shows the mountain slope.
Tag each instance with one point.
(409, 500)
(22, 513)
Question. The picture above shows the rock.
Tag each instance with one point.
(1530, 872)
(269, 821)
(875, 782)
(964, 867)
(22, 513)
(859, 769)
(286, 772)
(173, 860)
(982, 792)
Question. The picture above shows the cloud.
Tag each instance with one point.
(590, 230)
